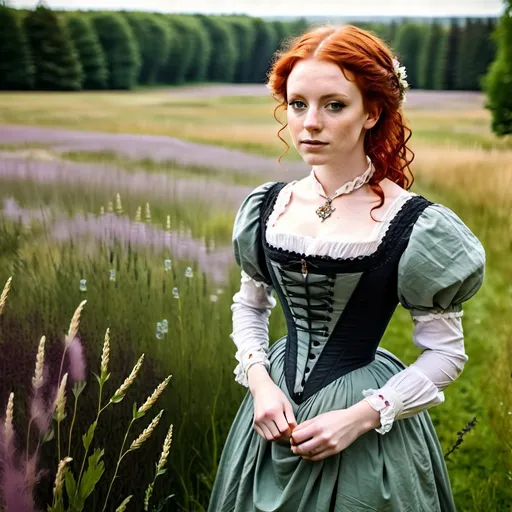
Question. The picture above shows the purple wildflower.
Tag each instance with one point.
(76, 361)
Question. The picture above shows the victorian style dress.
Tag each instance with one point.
(338, 298)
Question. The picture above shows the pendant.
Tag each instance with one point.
(325, 211)
(304, 268)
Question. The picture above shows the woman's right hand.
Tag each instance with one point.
(273, 414)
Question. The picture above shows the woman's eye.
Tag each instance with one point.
(296, 104)
(336, 106)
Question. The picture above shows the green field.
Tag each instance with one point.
(60, 223)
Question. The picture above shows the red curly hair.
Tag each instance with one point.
(370, 62)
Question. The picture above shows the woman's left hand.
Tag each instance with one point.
(331, 432)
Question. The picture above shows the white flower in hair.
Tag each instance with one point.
(401, 74)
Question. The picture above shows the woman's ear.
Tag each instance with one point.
(372, 118)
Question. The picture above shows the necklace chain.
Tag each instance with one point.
(325, 211)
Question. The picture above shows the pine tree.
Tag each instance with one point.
(90, 52)
(153, 39)
(408, 46)
(224, 54)
(201, 50)
(56, 61)
(183, 46)
(498, 82)
(120, 49)
(244, 36)
(16, 66)
(448, 58)
(263, 50)
(429, 56)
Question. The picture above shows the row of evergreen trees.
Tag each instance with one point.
(45, 50)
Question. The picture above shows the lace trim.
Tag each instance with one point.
(282, 201)
(337, 249)
(257, 356)
(383, 405)
(437, 316)
(350, 186)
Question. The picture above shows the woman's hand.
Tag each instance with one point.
(273, 414)
(329, 433)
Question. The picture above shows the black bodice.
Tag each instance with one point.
(336, 309)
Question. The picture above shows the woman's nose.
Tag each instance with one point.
(312, 121)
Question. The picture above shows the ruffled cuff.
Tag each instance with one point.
(387, 403)
(437, 316)
(256, 356)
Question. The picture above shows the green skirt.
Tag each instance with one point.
(401, 471)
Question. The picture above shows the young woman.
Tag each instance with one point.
(332, 422)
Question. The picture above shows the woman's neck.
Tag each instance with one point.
(332, 177)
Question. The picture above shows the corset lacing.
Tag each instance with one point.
(315, 312)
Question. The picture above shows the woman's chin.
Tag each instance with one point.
(312, 159)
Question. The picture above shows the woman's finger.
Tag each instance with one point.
(314, 457)
(274, 431)
(308, 448)
(259, 431)
(265, 432)
(289, 416)
(281, 424)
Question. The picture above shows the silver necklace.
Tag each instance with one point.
(325, 211)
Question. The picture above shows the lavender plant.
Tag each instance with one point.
(20, 473)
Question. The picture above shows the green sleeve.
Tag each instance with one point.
(442, 266)
(247, 234)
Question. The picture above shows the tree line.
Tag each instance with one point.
(47, 50)
(42, 49)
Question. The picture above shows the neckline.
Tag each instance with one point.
(372, 237)
(415, 205)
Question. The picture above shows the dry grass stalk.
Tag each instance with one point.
(5, 292)
(9, 416)
(129, 380)
(75, 322)
(60, 400)
(138, 214)
(165, 450)
(37, 379)
(154, 396)
(105, 354)
(59, 479)
(146, 433)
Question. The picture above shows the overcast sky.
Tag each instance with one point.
(289, 7)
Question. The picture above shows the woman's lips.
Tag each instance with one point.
(314, 145)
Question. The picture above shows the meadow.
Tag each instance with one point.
(150, 235)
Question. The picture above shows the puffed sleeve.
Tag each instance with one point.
(253, 302)
(442, 266)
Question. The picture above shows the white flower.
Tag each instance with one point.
(213, 298)
(401, 74)
(188, 272)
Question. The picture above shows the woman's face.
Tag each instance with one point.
(324, 106)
